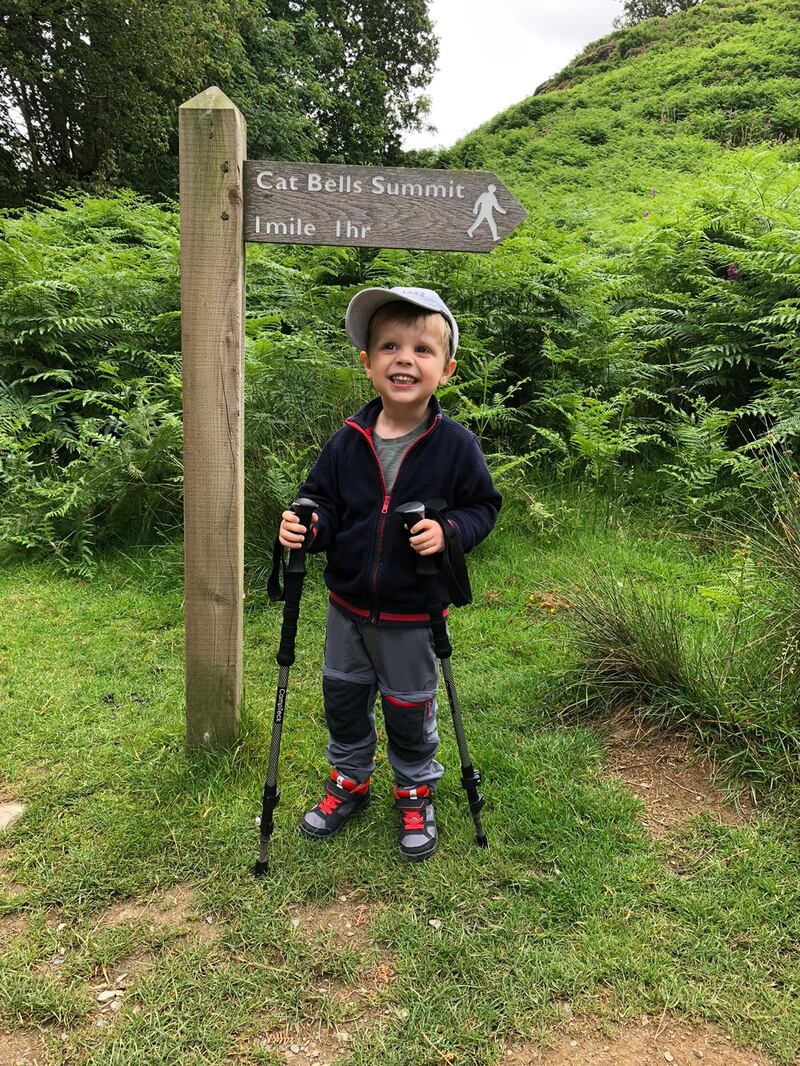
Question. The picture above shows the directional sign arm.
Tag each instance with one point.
(378, 207)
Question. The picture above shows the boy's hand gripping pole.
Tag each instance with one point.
(293, 588)
(427, 571)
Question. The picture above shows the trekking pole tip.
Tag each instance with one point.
(261, 866)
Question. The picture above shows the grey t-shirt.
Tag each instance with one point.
(391, 451)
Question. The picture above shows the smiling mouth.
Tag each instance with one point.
(402, 379)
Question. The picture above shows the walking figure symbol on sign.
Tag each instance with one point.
(484, 206)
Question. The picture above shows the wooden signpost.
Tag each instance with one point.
(225, 201)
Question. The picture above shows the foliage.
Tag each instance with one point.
(702, 476)
(373, 58)
(633, 652)
(92, 91)
(124, 487)
(640, 330)
(481, 398)
(90, 386)
(90, 379)
(680, 294)
(297, 394)
(773, 537)
(651, 649)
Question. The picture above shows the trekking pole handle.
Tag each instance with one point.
(427, 572)
(293, 585)
(304, 509)
(411, 513)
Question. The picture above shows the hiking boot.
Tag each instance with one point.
(343, 797)
(418, 838)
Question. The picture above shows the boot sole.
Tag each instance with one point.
(419, 856)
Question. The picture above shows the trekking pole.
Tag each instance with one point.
(427, 571)
(293, 588)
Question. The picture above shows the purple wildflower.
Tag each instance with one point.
(732, 271)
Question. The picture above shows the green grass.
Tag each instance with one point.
(572, 902)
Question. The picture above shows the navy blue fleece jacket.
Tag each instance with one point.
(370, 565)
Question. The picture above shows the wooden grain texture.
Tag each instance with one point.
(212, 150)
(377, 207)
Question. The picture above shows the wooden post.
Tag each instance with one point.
(212, 152)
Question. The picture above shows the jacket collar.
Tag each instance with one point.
(367, 415)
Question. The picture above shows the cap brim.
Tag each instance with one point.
(361, 309)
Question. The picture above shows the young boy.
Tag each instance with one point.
(399, 447)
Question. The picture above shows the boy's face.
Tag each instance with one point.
(408, 361)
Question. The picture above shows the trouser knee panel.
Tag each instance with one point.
(405, 727)
(347, 707)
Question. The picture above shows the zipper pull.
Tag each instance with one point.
(385, 507)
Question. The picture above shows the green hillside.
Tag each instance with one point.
(648, 113)
(649, 307)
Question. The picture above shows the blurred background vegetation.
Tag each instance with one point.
(638, 335)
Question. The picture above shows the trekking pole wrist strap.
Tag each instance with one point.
(452, 564)
(277, 576)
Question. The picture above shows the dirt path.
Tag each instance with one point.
(672, 779)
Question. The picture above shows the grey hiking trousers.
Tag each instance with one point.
(362, 660)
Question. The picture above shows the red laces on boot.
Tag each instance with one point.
(329, 803)
(413, 820)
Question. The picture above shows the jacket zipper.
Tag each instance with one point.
(386, 498)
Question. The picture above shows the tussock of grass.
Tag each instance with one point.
(736, 682)
(634, 654)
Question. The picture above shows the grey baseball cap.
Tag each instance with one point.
(365, 303)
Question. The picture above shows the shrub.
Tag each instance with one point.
(90, 434)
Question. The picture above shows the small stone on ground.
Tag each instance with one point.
(10, 813)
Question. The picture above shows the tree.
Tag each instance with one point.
(380, 55)
(637, 10)
(89, 85)
(92, 87)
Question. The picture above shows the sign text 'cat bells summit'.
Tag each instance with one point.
(377, 207)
